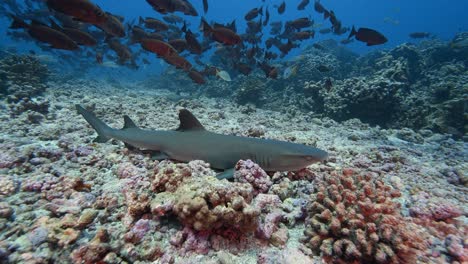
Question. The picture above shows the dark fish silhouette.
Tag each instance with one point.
(192, 43)
(178, 44)
(282, 8)
(267, 17)
(418, 35)
(196, 77)
(154, 23)
(171, 6)
(82, 10)
(205, 6)
(179, 62)
(158, 47)
(302, 5)
(253, 13)
(369, 36)
(80, 37)
(112, 26)
(46, 34)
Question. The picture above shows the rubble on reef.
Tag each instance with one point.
(67, 199)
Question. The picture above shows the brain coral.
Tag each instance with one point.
(353, 219)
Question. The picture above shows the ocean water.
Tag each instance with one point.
(192, 131)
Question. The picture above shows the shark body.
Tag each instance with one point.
(191, 141)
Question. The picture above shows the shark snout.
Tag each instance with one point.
(317, 155)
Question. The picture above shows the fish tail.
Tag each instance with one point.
(206, 28)
(353, 32)
(101, 128)
(17, 23)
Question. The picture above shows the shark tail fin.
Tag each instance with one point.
(101, 128)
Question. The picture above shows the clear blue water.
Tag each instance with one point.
(395, 19)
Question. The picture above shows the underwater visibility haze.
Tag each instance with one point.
(248, 131)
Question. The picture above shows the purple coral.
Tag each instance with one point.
(429, 208)
(249, 172)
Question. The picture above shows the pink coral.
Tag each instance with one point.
(249, 172)
(353, 218)
(168, 176)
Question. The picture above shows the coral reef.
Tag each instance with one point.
(352, 218)
(23, 77)
(249, 172)
(67, 199)
(204, 203)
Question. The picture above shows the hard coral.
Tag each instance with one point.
(169, 175)
(25, 76)
(353, 219)
(249, 172)
(199, 200)
(209, 204)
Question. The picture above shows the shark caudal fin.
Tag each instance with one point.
(101, 128)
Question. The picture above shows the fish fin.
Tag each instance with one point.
(101, 128)
(227, 174)
(352, 33)
(159, 156)
(38, 23)
(188, 122)
(128, 123)
(17, 23)
(130, 147)
(54, 25)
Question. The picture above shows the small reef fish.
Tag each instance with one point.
(196, 77)
(191, 141)
(302, 5)
(419, 35)
(223, 75)
(290, 71)
(370, 36)
(253, 13)
(282, 8)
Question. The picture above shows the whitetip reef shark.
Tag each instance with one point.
(191, 141)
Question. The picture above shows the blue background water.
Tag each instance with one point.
(394, 18)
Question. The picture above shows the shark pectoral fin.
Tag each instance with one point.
(227, 174)
(101, 139)
(130, 147)
(159, 156)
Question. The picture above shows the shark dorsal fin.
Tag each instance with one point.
(128, 123)
(188, 122)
